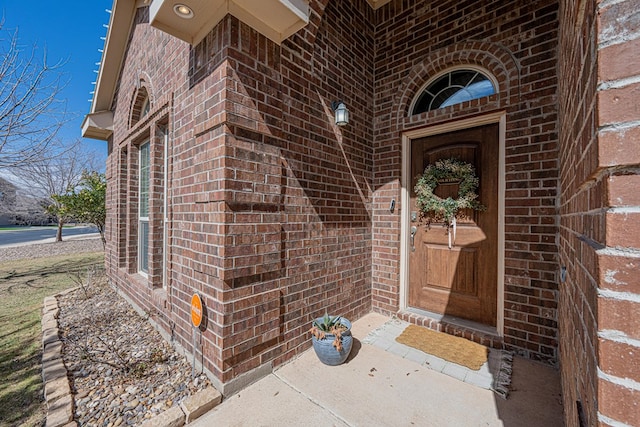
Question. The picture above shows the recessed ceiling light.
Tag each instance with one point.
(183, 11)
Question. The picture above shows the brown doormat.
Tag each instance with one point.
(453, 349)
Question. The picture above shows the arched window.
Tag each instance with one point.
(146, 106)
(453, 87)
(141, 105)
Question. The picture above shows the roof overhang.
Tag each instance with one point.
(122, 15)
(98, 125)
(377, 3)
(276, 19)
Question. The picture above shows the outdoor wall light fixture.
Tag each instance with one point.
(341, 112)
(183, 11)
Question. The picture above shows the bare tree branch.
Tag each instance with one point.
(31, 113)
(47, 175)
(58, 171)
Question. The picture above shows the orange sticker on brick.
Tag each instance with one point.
(196, 310)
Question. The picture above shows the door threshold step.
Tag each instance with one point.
(476, 332)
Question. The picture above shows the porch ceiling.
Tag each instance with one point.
(276, 19)
(377, 3)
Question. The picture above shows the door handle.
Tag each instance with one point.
(414, 230)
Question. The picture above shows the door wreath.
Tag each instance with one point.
(436, 209)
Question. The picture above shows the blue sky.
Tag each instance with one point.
(70, 31)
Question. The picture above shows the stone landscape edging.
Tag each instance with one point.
(57, 389)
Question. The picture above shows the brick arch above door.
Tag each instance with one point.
(493, 58)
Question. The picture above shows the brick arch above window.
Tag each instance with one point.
(141, 103)
(494, 59)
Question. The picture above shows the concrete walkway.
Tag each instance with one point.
(378, 388)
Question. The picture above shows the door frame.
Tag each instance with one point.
(499, 117)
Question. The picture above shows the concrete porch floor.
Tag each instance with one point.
(378, 388)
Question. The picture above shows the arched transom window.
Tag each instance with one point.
(453, 87)
(146, 106)
(141, 106)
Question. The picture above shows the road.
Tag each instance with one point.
(37, 234)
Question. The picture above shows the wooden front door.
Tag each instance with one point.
(460, 281)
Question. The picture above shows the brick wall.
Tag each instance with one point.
(516, 43)
(268, 200)
(599, 48)
(298, 199)
(581, 231)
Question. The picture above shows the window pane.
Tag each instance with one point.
(143, 248)
(474, 91)
(146, 106)
(423, 103)
(443, 96)
(144, 180)
(439, 85)
(143, 220)
(462, 78)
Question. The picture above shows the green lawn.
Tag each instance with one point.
(11, 228)
(23, 286)
(25, 227)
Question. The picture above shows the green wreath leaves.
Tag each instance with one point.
(436, 209)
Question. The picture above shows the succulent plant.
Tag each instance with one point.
(329, 325)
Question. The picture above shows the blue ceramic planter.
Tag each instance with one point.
(325, 350)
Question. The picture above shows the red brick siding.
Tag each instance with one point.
(156, 207)
(298, 189)
(599, 227)
(116, 206)
(578, 147)
(268, 208)
(516, 43)
(132, 206)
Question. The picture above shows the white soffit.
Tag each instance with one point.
(98, 125)
(276, 19)
(377, 3)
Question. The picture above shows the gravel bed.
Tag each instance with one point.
(121, 370)
(50, 249)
